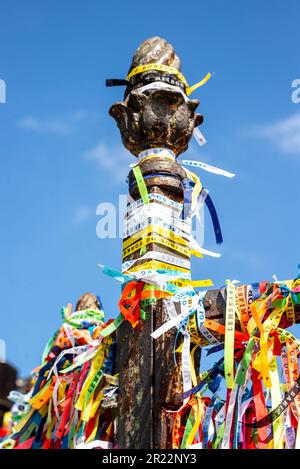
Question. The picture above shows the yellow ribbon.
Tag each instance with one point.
(198, 408)
(229, 334)
(172, 71)
(156, 230)
(153, 264)
(197, 188)
(278, 427)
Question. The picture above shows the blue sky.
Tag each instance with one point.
(61, 154)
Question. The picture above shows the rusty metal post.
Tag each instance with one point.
(152, 117)
(134, 363)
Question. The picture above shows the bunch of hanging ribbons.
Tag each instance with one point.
(74, 391)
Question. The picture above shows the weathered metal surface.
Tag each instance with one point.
(167, 389)
(155, 50)
(169, 184)
(155, 117)
(134, 363)
(87, 301)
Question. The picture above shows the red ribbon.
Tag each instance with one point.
(131, 313)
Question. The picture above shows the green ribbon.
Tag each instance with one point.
(49, 346)
(219, 436)
(87, 314)
(188, 428)
(141, 184)
(241, 376)
(112, 326)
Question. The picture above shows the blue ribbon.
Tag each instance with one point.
(209, 410)
(214, 349)
(285, 290)
(214, 219)
(187, 196)
(215, 370)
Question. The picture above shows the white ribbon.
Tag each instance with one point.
(168, 325)
(195, 246)
(73, 350)
(186, 365)
(229, 416)
(185, 310)
(207, 167)
(199, 136)
(159, 256)
(95, 444)
(220, 417)
(153, 209)
(157, 152)
(133, 204)
(141, 220)
(158, 85)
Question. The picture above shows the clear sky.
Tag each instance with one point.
(61, 154)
